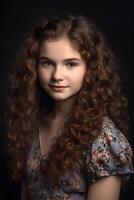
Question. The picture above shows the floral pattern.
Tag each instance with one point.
(110, 154)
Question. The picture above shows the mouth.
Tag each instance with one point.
(58, 88)
(55, 86)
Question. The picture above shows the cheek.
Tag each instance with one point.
(77, 79)
(78, 83)
(43, 76)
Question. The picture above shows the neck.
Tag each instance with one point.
(63, 108)
(61, 111)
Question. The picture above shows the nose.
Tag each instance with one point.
(58, 74)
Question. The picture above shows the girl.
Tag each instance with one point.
(67, 115)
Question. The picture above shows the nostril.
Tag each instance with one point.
(56, 78)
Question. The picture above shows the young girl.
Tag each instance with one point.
(67, 116)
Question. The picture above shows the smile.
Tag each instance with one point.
(55, 86)
(58, 88)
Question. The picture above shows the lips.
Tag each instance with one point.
(55, 86)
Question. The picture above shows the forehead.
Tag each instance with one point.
(60, 48)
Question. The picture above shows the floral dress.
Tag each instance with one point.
(110, 154)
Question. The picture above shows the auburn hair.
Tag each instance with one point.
(101, 95)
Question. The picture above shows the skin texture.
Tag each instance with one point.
(59, 70)
(107, 188)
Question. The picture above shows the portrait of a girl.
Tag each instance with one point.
(67, 115)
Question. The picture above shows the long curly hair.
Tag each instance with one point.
(101, 96)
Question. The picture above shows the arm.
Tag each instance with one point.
(24, 192)
(110, 161)
(107, 188)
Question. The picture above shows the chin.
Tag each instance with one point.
(62, 98)
(59, 99)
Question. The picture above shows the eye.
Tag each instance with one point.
(72, 64)
(45, 63)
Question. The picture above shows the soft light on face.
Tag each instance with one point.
(61, 69)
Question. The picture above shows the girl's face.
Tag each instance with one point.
(61, 69)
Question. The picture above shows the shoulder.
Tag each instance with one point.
(112, 143)
(110, 153)
(111, 138)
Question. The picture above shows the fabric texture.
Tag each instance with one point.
(109, 154)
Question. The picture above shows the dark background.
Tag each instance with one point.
(114, 18)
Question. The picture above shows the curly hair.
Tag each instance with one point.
(101, 96)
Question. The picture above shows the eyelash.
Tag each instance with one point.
(48, 63)
(72, 64)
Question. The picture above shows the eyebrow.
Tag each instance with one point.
(66, 60)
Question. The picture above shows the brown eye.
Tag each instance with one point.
(45, 63)
(72, 64)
